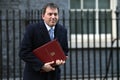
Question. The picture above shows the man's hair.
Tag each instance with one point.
(51, 5)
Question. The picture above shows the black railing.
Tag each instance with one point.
(93, 43)
(0, 47)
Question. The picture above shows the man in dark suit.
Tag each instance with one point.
(37, 35)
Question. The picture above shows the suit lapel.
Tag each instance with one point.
(44, 33)
(57, 32)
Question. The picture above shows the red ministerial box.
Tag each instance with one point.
(50, 51)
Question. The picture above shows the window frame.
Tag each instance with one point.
(95, 40)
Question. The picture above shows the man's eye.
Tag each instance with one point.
(55, 14)
(50, 14)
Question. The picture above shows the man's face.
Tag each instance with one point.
(51, 16)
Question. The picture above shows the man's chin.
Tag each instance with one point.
(53, 24)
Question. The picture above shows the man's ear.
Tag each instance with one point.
(42, 16)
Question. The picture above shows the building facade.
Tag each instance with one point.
(91, 24)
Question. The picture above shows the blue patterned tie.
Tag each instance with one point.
(51, 33)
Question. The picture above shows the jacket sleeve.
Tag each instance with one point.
(65, 42)
(26, 49)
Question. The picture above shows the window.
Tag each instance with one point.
(90, 4)
(94, 18)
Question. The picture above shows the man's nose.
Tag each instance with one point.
(53, 16)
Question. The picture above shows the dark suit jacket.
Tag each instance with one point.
(36, 35)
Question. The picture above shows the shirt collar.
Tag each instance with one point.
(48, 27)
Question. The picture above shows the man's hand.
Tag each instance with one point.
(47, 67)
(60, 62)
